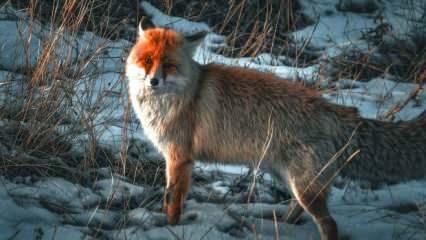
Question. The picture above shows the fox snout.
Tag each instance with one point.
(154, 82)
(155, 73)
(144, 80)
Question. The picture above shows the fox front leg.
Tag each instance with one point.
(178, 180)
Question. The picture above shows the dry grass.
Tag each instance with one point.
(389, 53)
(55, 132)
(110, 19)
(47, 118)
(251, 27)
(402, 58)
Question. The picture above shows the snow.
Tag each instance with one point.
(179, 24)
(377, 97)
(307, 74)
(14, 57)
(25, 209)
(116, 208)
(334, 28)
(117, 191)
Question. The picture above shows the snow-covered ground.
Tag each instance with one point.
(114, 207)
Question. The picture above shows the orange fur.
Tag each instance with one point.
(158, 45)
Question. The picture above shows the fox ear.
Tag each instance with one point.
(193, 41)
(144, 24)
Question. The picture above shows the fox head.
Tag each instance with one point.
(161, 62)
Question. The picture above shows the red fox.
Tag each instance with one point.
(237, 115)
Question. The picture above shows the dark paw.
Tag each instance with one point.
(173, 215)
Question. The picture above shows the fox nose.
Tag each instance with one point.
(154, 82)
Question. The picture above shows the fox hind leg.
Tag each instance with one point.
(294, 212)
(313, 200)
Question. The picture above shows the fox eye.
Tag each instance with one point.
(148, 60)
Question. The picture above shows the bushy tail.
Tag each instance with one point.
(389, 152)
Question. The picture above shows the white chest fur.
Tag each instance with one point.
(154, 112)
(147, 117)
